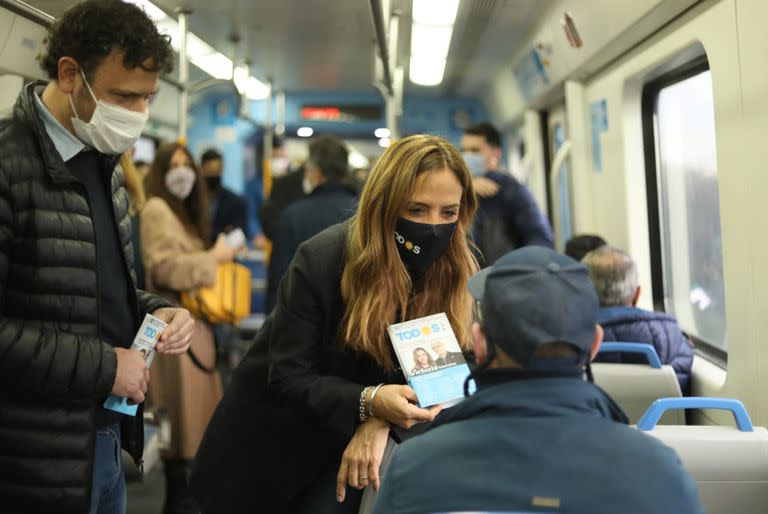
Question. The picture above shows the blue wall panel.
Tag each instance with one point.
(213, 123)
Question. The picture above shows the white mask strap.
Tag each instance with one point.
(73, 106)
(89, 90)
(88, 86)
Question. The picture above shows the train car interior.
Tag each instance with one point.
(642, 121)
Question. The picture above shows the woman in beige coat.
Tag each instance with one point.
(174, 228)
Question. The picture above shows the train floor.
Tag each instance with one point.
(146, 496)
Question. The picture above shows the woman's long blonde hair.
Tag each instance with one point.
(133, 183)
(375, 285)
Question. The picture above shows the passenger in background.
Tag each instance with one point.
(226, 209)
(287, 187)
(507, 215)
(361, 174)
(69, 306)
(174, 232)
(536, 435)
(302, 400)
(579, 246)
(328, 202)
(614, 275)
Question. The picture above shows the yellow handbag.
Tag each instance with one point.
(227, 301)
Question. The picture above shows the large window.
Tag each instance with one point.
(684, 203)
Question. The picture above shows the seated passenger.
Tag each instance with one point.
(329, 201)
(579, 246)
(536, 435)
(614, 275)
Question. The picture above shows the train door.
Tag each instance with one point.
(560, 184)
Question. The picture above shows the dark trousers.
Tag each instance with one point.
(320, 497)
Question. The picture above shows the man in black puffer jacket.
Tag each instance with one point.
(69, 307)
(614, 275)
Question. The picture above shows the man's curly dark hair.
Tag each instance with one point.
(90, 30)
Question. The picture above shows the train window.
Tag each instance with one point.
(684, 206)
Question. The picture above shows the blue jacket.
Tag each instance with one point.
(630, 324)
(508, 220)
(327, 205)
(230, 213)
(519, 444)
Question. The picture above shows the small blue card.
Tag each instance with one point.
(121, 405)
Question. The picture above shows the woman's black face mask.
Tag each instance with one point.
(421, 244)
(213, 182)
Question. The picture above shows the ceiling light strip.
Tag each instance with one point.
(203, 55)
(431, 34)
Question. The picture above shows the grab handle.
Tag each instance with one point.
(648, 350)
(659, 407)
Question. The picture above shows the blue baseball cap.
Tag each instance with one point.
(534, 296)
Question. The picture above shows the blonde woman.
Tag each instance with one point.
(300, 412)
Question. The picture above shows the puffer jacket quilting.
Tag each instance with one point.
(630, 324)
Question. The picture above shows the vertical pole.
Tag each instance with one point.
(268, 140)
(280, 128)
(183, 76)
(392, 109)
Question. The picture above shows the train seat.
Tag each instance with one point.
(635, 386)
(729, 464)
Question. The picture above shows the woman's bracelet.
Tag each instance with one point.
(363, 402)
(370, 402)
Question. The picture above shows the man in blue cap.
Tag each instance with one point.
(536, 436)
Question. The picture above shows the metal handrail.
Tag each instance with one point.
(44, 19)
(27, 11)
(381, 40)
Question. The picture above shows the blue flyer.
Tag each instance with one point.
(431, 359)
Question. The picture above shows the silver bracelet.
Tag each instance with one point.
(363, 410)
(370, 402)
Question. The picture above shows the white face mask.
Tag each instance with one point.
(279, 166)
(475, 163)
(179, 181)
(112, 129)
